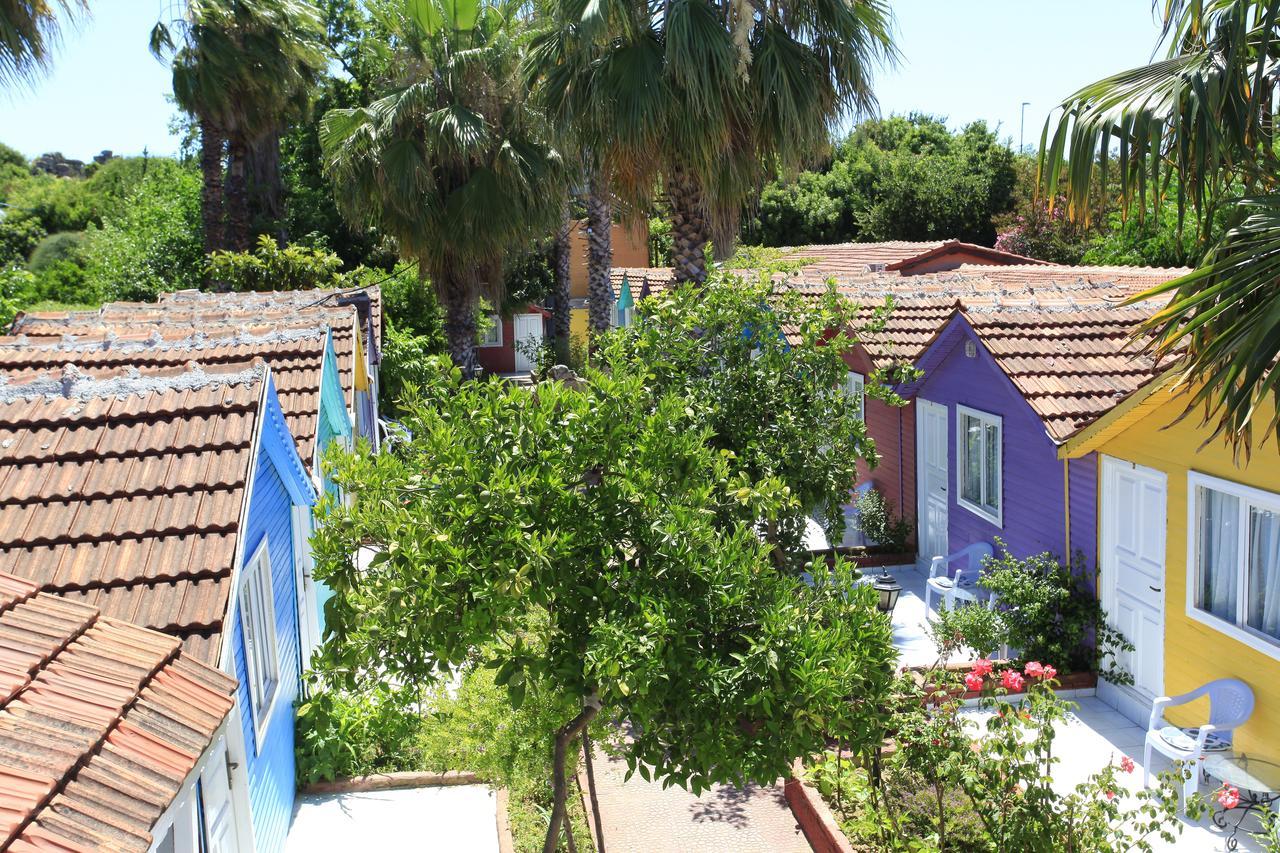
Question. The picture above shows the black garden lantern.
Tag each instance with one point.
(889, 589)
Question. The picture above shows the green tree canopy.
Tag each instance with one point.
(593, 539)
(900, 178)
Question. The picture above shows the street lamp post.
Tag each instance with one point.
(1022, 126)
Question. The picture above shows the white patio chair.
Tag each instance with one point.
(1230, 706)
(961, 583)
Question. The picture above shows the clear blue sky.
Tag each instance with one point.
(965, 59)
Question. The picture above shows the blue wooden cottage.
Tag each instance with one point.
(175, 500)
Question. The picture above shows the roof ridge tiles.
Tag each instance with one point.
(73, 383)
(116, 343)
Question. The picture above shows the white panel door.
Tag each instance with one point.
(932, 478)
(1132, 561)
(528, 334)
(305, 585)
(219, 813)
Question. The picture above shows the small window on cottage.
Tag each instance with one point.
(1236, 557)
(979, 452)
(492, 335)
(258, 618)
(855, 388)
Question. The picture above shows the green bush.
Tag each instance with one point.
(153, 244)
(880, 525)
(269, 267)
(12, 156)
(1049, 613)
(977, 628)
(63, 246)
(407, 300)
(64, 281)
(405, 363)
(17, 290)
(19, 236)
(341, 735)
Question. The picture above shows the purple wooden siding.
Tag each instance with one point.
(1034, 517)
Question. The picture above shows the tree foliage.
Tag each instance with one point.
(901, 178)
(607, 540)
(1195, 127)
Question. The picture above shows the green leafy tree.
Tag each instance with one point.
(29, 31)
(450, 163)
(764, 376)
(1195, 125)
(152, 243)
(578, 526)
(900, 178)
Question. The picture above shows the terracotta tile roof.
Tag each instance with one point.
(101, 722)
(125, 491)
(1071, 363)
(132, 320)
(327, 297)
(295, 355)
(1129, 279)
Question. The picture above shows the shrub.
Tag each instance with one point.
(880, 525)
(153, 243)
(407, 299)
(64, 282)
(17, 289)
(956, 782)
(342, 735)
(19, 236)
(405, 364)
(1048, 612)
(977, 628)
(63, 246)
(269, 267)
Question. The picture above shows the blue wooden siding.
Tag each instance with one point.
(270, 764)
(1033, 490)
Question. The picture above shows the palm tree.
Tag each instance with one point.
(560, 303)
(28, 32)
(451, 163)
(1198, 124)
(714, 95)
(244, 68)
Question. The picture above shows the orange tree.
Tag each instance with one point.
(591, 542)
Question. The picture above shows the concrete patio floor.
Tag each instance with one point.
(431, 820)
(1091, 736)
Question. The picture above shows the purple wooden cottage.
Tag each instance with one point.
(1003, 387)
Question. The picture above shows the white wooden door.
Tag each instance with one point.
(932, 478)
(1132, 563)
(304, 579)
(219, 813)
(528, 334)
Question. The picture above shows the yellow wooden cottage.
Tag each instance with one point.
(1188, 557)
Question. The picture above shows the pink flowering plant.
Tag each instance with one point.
(963, 778)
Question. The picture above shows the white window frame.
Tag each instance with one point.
(855, 386)
(986, 419)
(496, 329)
(261, 654)
(1247, 495)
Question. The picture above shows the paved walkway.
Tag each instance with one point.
(460, 817)
(638, 815)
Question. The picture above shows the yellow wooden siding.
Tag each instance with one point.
(1194, 652)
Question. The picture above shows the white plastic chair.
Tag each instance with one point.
(960, 583)
(1230, 706)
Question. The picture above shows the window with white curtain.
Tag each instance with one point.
(855, 388)
(979, 450)
(1235, 558)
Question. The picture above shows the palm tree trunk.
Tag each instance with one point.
(560, 315)
(599, 254)
(266, 191)
(211, 200)
(459, 297)
(690, 230)
(237, 194)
